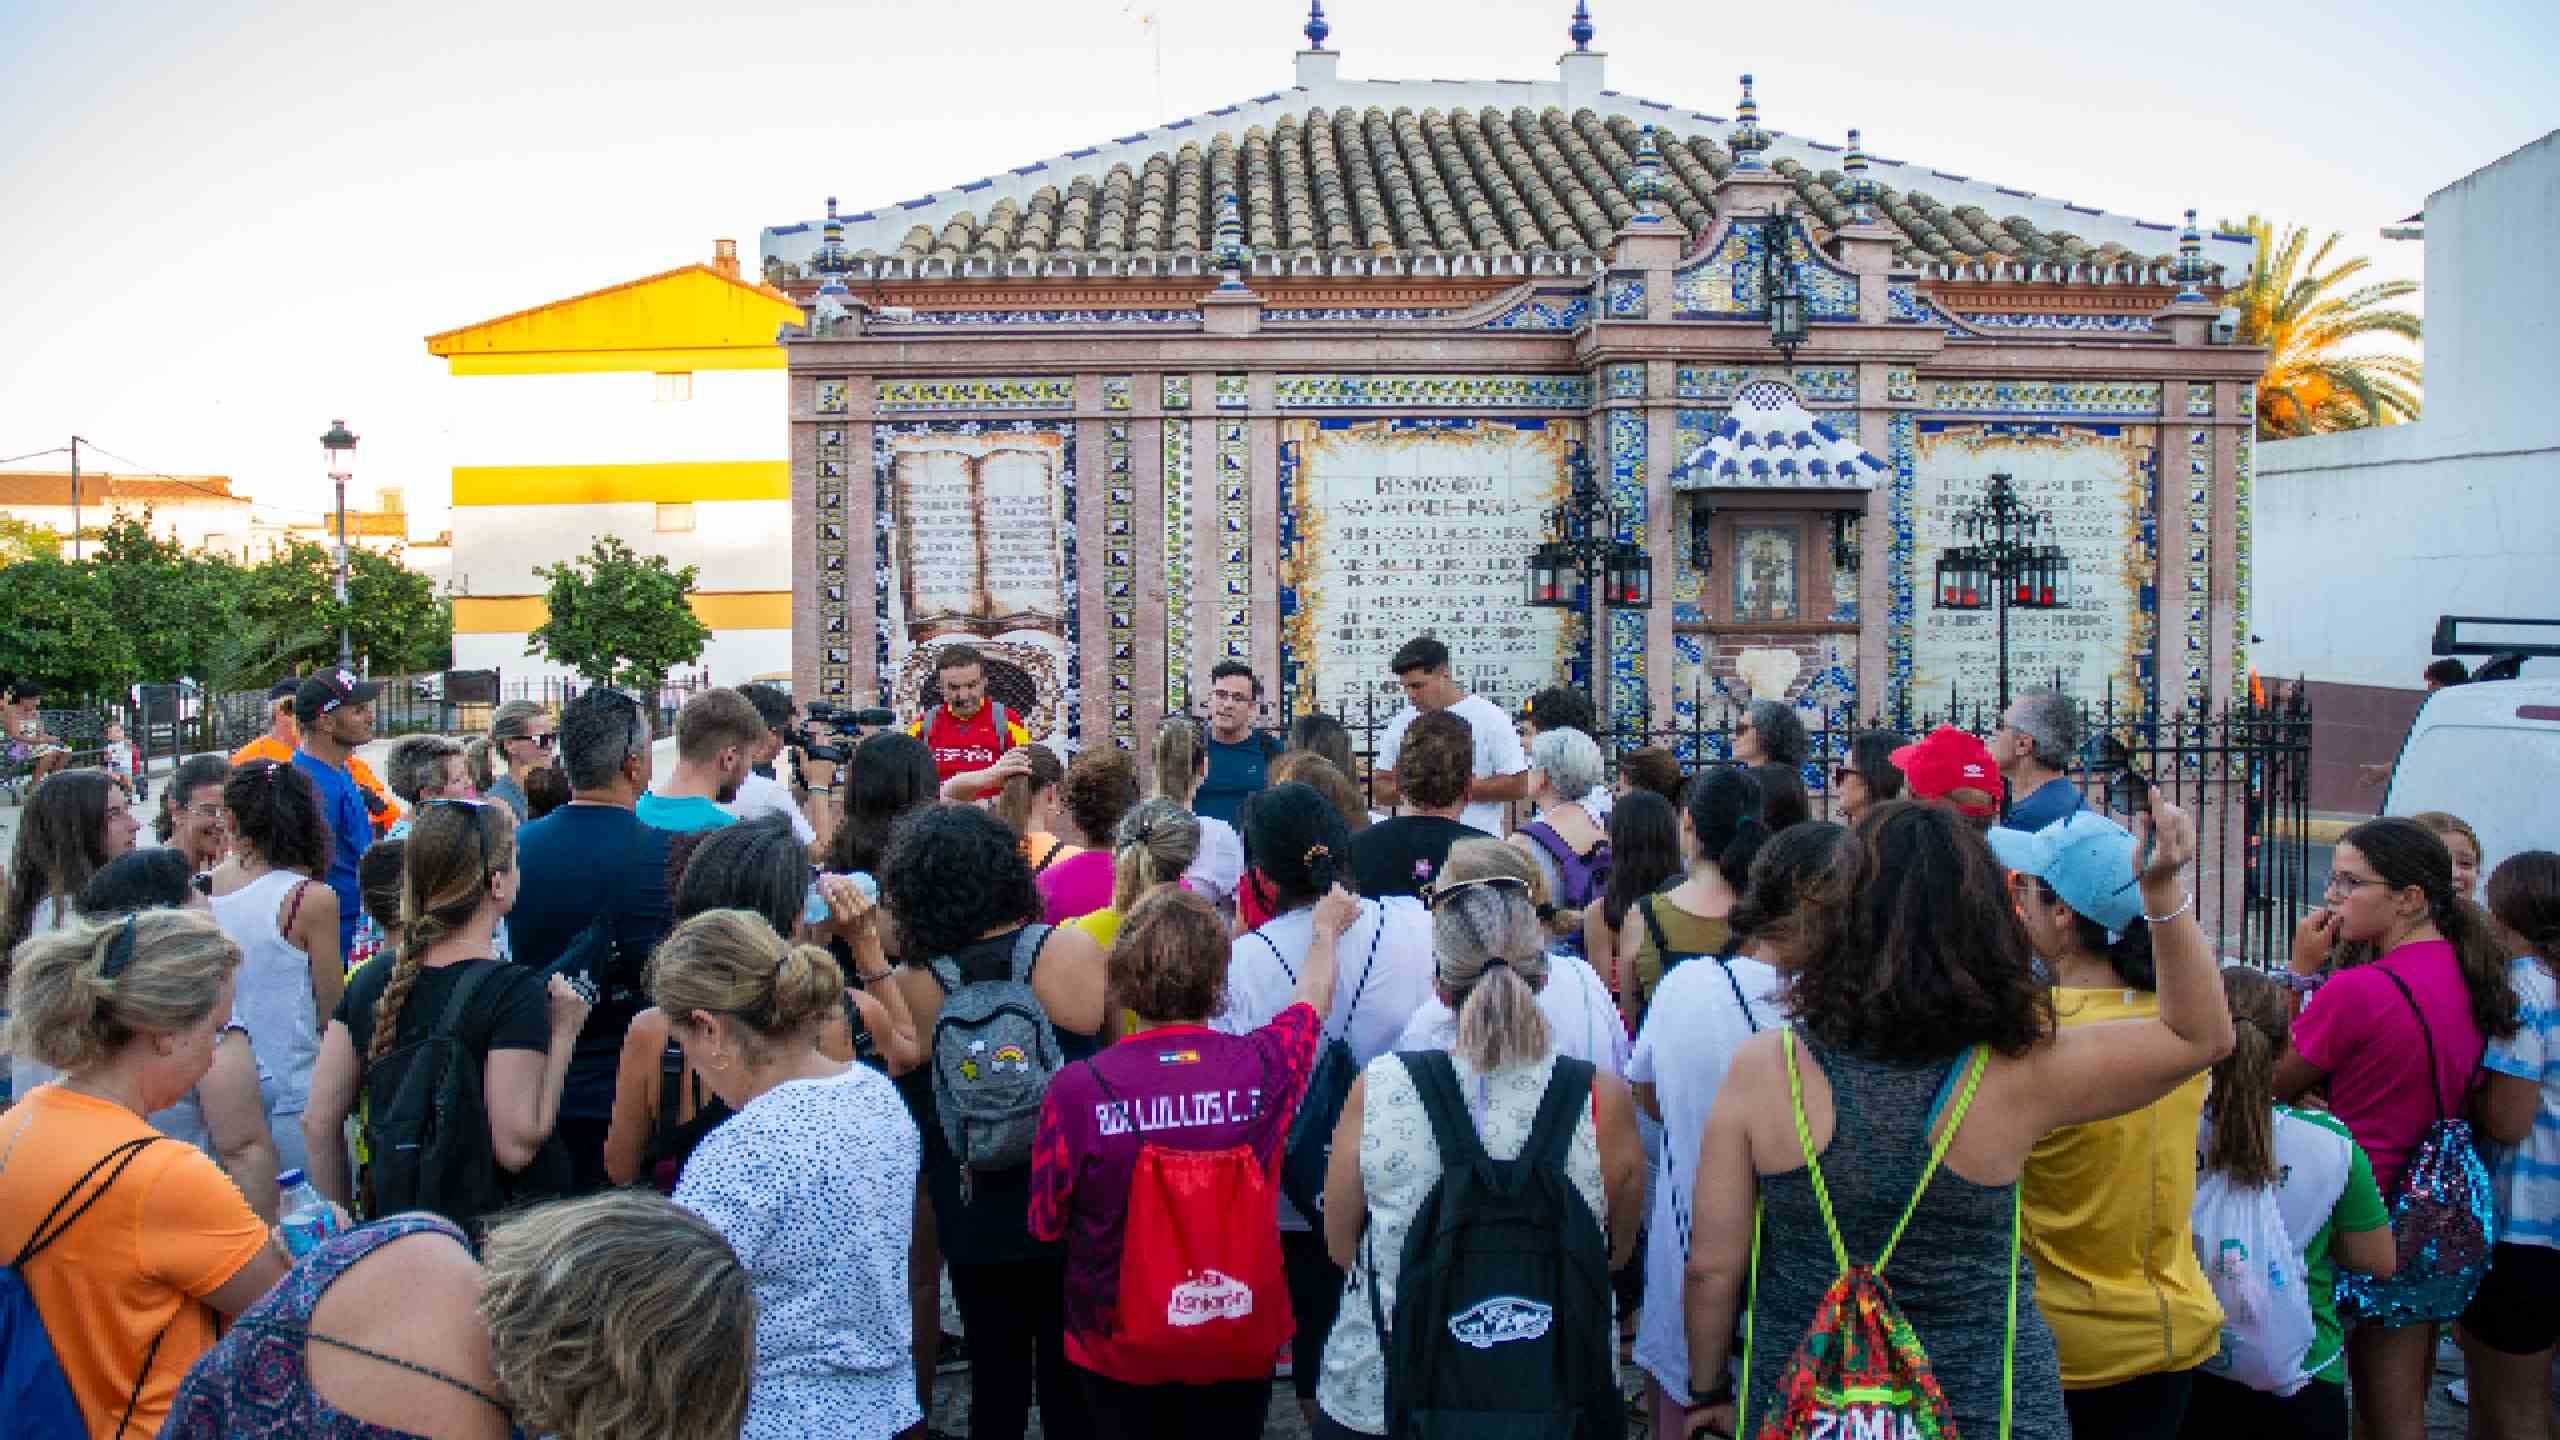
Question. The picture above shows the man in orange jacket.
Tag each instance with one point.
(283, 737)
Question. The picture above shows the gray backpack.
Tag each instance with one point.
(994, 1052)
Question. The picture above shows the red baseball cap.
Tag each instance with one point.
(1950, 759)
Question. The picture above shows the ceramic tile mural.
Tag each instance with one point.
(1901, 619)
(2199, 399)
(905, 397)
(1627, 699)
(881, 320)
(835, 643)
(1120, 580)
(1626, 297)
(1903, 305)
(1727, 283)
(1838, 384)
(2243, 482)
(1626, 382)
(1176, 390)
(1115, 392)
(1235, 543)
(1300, 315)
(2053, 323)
(1707, 382)
(1436, 392)
(1232, 394)
(1546, 310)
(831, 397)
(975, 539)
(2123, 399)
(1178, 595)
(1901, 385)
(1833, 384)
(2196, 602)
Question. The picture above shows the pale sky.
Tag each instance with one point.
(227, 224)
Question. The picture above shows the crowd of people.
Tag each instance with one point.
(528, 1090)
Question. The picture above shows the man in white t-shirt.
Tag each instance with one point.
(761, 793)
(1501, 768)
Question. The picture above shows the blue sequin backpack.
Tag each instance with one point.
(2443, 1215)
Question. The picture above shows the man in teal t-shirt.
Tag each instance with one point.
(716, 736)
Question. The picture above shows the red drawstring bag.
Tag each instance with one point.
(1202, 1293)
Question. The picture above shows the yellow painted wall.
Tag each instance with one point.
(620, 484)
(721, 610)
(660, 322)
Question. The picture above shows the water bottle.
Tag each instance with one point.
(308, 1219)
(814, 909)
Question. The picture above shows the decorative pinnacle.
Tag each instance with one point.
(1317, 29)
(1580, 32)
(1644, 182)
(1747, 139)
(830, 256)
(2190, 269)
(1229, 254)
(1857, 191)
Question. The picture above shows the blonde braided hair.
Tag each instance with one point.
(453, 850)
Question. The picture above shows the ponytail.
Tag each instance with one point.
(1492, 958)
(445, 868)
(2242, 1146)
(1155, 843)
(2405, 854)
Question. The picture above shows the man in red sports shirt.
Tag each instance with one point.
(967, 733)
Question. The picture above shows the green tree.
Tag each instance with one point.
(395, 619)
(618, 618)
(25, 539)
(172, 602)
(2321, 373)
(62, 630)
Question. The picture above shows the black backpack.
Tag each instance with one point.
(429, 1135)
(1502, 1324)
(1308, 1151)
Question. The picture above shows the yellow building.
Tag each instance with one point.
(654, 411)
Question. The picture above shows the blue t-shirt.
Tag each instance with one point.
(1236, 772)
(682, 814)
(350, 831)
(2048, 802)
(575, 863)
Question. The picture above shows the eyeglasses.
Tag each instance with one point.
(1438, 893)
(471, 810)
(202, 812)
(1839, 774)
(2342, 883)
(1231, 696)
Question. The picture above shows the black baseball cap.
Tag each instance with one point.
(286, 688)
(328, 689)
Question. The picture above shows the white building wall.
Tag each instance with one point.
(735, 544)
(616, 418)
(733, 657)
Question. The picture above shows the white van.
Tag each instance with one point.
(2490, 753)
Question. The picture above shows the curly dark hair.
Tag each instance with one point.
(1437, 760)
(157, 878)
(953, 873)
(1101, 785)
(891, 773)
(1781, 731)
(1294, 836)
(1170, 962)
(278, 812)
(754, 865)
(1557, 708)
(1911, 953)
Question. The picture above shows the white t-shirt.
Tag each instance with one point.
(761, 795)
(1219, 867)
(1582, 1020)
(1497, 752)
(1689, 1037)
(1383, 972)
(2528, 1175)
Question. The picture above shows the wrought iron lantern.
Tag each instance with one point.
(1630, 575)
(2009, 562)
(1583, 560)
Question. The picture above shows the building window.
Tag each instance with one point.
(675, 517)
(675, 386)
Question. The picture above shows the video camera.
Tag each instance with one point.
(815, 745)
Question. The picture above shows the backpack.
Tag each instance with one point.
(429, 1135)
(1502, 1324)
(2442, 1217)
(34, 1392)
(1860, 1369)
(1585, 877)
(1308, 1151)
(2256, 1272)
(994, 1054)
(1203, 1295)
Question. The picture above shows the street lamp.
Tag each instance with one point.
(2008, 562)
(1583, 559)
(339, 446)
(1778, 281)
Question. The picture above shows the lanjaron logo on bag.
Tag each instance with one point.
(1210, 1295)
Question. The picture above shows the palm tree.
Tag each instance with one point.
(2314, 382)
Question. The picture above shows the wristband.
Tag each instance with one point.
(867, 981)
(2149, 919)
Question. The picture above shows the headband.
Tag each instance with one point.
(119, 950)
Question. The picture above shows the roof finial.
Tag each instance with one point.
(1747, 139)
(1316, 28)
(1857, 191)
(1644, 182)
(1580, 32)
(1229, 252)
(2190, 270)
(830, 256)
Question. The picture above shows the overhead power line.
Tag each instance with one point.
(145, 470)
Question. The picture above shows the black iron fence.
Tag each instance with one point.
(2243, 771)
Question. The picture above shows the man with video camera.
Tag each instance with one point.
(815, 754)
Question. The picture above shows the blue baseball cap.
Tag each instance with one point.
(2086, 858)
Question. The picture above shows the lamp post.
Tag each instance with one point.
(2009, 561)
(1582, 554)
(339, 446)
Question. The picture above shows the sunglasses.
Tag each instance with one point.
(1432, 898)
(546, 741)
(471, 809)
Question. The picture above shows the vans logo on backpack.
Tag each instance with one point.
(1503, 1318)
(1209, 1295)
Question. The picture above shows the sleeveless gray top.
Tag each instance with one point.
(1950, 1274)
